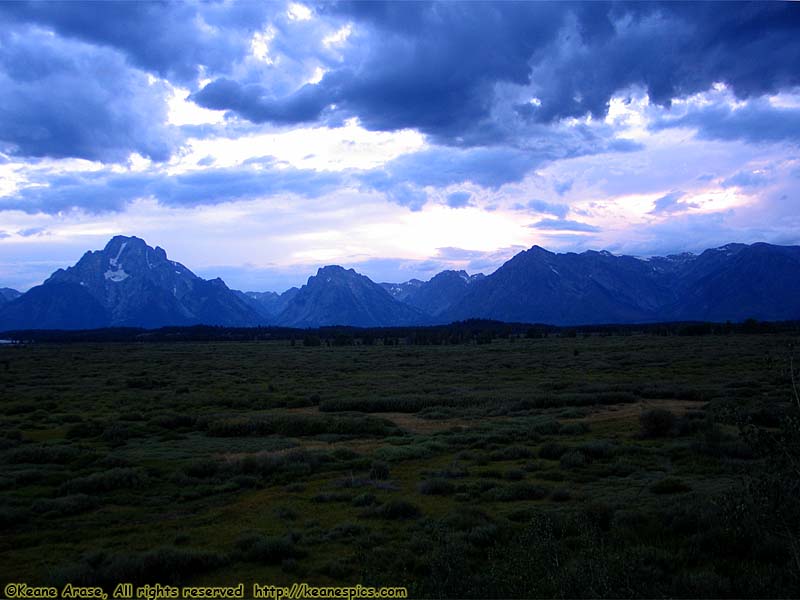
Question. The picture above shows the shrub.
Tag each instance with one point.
(285, 513)
(300, 426)
(514, 492)
(336, 569)
(597, 449)
(483, 536)
(10, 518)
(397, 510)
(454, 470)
(436, 487)
(43, 454)
(511, 453)
(656, 422)
(83, 430)
(105, 481)
(364, 500)
(173, 421)
(669, 485)
(271, 550)
(65, 506)
(116, 434)
(379, 470)
(561, 495)
(621, 468)
(573, 460)
(552, 450)
(599, 514)
(466, 518)
(514, 475)
(201, 468)
(573, 428)
(325, 497)
(346, 530)
(165, 565)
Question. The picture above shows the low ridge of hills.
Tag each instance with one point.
(129, 283)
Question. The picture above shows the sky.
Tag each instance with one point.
(258, 141)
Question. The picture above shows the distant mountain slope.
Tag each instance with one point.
(336, 296)
(402, 291)
(436, 296)
(57, 305)
(268, 304)
(128, 283)
(8, 294)
(732, 282)
(737, 281)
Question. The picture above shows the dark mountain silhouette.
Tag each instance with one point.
(436, 296)
(737, 281)
(268, 304)
(337, 296)
(402, 291)
(128, 283)
(8, 294)
(131, 284)
(732, 282)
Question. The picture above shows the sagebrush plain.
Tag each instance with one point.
(598, 465)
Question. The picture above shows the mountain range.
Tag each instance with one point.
(129, 283)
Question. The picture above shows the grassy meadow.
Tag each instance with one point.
(617, 466)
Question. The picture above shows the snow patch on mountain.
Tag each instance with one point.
(116, 276)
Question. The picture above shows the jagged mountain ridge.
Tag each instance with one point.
(129, 283)
(436, 296)
(268, 304)
(8, 294)
(733, 282)
(338, 296)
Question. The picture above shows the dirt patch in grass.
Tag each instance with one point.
(408, 421)
(619, 412)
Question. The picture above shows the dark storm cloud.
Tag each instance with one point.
(102, 191)
(402, 178)
(172, 39)
(672, 50)
(421, 66)
(440, 167)
(436, 67)
(253, 103)
(62, 98)
(758, 121)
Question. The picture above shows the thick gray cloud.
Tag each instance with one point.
(171, 39)
(440, 167)
(756, 122)
(426, 65)
(102, 191)
(254, 104)
(62, 98)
